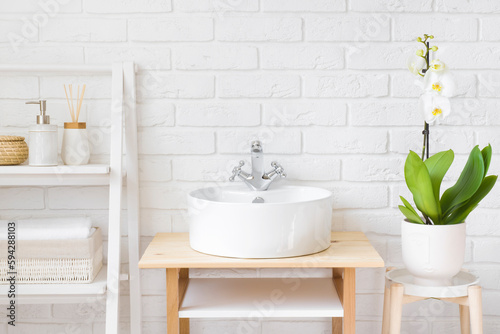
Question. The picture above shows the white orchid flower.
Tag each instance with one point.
(440, 82)
(437, 66)
(415, 64)
(434, 107)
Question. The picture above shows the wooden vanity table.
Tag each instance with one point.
(250, 299)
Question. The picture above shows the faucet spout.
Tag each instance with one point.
(257, 160)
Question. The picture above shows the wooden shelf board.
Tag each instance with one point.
(347, 250)
(260, 297)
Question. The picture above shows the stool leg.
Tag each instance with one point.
(464, 319)
(476, 309)
(387, 311)
(397, 291)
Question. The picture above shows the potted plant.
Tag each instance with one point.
(433, 242)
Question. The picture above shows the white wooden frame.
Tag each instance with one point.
(122, 111)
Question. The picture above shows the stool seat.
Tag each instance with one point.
(458, 287)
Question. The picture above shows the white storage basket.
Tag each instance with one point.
(54, 261)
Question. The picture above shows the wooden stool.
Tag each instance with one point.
(400, 290)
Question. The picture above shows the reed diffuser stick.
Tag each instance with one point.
(69, 106)
(80, 103)
(72, 108)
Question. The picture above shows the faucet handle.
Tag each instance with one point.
(237, 170)
(278, 169)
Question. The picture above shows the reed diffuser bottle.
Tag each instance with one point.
(75, 148)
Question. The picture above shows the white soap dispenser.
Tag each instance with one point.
(43, 139)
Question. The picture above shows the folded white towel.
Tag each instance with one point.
(49, 228)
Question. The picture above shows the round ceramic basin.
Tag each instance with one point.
(284, 221)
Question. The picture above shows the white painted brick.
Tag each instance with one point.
(71, 198)
(240, 29)
(472, 111)
(123, 327)
(489, 84)
(22, 198)
(306, 57)
(218, 114)
(165, 197)
(18, 87)
(219, 7)
(379, 56)
(295, 272)
(323, 141)
(168, 141)
(369, 304)
(96, 87)
(408, 28)
(459, 140)
(373, 169)
(370, 280)
(29, 311)
(465, 6)
(47, 8)
(155, 113)
(305, 113)
(492, 108)
(390, 6)
(355, 197)
(303, 6)
(386, 222)
(11, 30)
(42, 54)
(264, 85)
(84, 30)
(347, 85)
(274, 140)
(348, 28)
(215, 57)
(226, 272)
(489, 29)
(180, 221)
(311, 169)
(479, 223)
(489, 136)
(296, 327)
(128, 6)
(168, 85)
(385, 113)
(16, 114)
(486, 250)
(170, 29)
(489, 274)
(155, 168)
(155, 221)
(404, 85)
(470, 56)
(155, 58)
(490, 303)
(196, 169)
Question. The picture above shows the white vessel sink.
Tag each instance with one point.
(291, 221)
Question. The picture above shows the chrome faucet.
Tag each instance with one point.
(258, 179)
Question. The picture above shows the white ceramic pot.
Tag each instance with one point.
(75, 147)
(433, 254)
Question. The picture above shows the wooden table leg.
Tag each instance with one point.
(345, 283)
(172, 301)
(476, 309)
(397, 295)
(183, 282)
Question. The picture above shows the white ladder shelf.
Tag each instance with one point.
(107, 283)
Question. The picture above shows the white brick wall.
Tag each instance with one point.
(322, 83)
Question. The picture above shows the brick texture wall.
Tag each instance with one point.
(324, 85)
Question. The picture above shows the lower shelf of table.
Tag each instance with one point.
(260, 298)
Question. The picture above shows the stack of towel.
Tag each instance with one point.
(49, 228)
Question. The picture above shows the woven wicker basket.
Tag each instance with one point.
(13, 150)
(54, 261)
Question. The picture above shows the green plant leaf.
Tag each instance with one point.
(438, 165)
(469, 181)
(413, 211)
(410, 215)
(461, 213)
(486, 153)
(419, 182)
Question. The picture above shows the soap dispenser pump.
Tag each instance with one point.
(42, 139)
